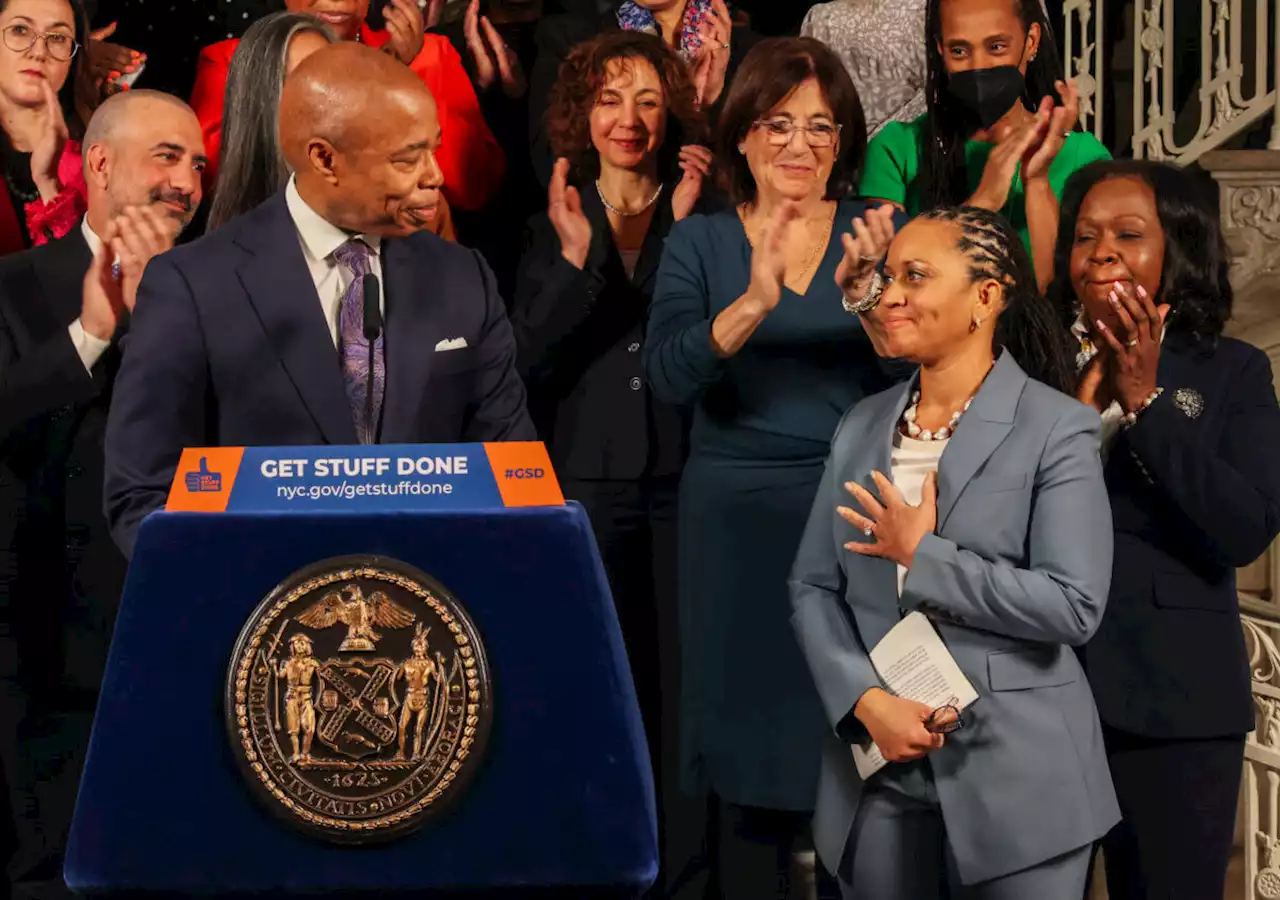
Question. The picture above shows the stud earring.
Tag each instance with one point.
(742, 149)
(973, 325)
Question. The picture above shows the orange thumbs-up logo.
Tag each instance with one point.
(204, 479)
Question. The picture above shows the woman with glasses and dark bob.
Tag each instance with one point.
(1189, 437)
(40, 60)
(974, 497)
(746, 327)
(999, 131)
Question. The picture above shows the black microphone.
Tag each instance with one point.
(372, 328)
(372, 310)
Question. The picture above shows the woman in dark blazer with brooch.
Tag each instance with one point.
(1190, 430)
(618, 114)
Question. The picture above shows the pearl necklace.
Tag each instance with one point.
(620, 212)
(923, 434)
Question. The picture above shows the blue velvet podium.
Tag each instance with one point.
(563, 804)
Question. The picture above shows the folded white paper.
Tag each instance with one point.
(914, 664)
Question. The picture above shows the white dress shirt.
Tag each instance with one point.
(88, 347)
(319, 238)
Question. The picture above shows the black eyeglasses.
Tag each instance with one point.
(944, 720)
(20, 38)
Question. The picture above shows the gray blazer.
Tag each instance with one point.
(1015, 575)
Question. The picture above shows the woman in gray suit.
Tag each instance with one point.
(974, 495)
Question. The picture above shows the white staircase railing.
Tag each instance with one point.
(1227, 54)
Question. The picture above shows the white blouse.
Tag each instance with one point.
(911, 461)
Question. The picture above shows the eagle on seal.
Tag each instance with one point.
(349, 606)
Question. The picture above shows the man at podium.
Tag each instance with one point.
(325, 316)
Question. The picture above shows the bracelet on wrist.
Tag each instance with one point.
(1129, 419)
(870, 298)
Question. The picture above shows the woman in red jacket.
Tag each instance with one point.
(469, 156)
(40, 57)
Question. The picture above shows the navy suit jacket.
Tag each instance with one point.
(229, 347)
(1195, 494)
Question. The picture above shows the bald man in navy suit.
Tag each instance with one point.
(257, 335)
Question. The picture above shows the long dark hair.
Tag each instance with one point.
(252, 166)
(1028, 327)
(943, 179)
(1194, 279)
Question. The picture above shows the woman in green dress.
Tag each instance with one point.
(999, 130)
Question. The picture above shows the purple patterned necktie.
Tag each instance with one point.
(354, 348)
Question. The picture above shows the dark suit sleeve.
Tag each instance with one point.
(1230, 494)
(564, 317)
(498, 411)
(159, 404)
(553, 298)
(42, 378)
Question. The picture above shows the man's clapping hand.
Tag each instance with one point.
(130, 240)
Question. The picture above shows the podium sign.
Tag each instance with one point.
(368, 478)
(418, 593)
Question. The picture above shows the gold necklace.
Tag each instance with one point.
(815, 250)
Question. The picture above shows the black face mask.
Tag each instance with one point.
(987, 93)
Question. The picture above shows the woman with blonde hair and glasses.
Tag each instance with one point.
(747, 328)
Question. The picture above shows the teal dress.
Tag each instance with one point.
(751, 723)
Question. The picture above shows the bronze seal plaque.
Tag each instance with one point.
(358, 699)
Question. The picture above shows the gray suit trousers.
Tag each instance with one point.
(900, 828)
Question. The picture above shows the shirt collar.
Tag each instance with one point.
(90, 237)
(320, 237)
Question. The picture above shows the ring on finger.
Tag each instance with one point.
(869, 530)
(1132, 343)
(866, 258)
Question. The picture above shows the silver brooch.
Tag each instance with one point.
(1189, 401)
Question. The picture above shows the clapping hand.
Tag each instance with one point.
(405, 24)
(769, 259)
(897, 527)
(130, 241)
(863, 250)
(695, 162)
(479, 30)
(565, 211)
(1135, 354)
(47, 152)
(711, 62)
(1002, 164)
(1057, 124)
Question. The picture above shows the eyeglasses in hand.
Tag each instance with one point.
(778, 132)
(20, 37)
(944, 720)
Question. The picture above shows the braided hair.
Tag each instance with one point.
(1028, 327)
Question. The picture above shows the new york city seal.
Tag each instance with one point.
(358, 699)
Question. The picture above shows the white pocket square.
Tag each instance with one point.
(451, 344)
